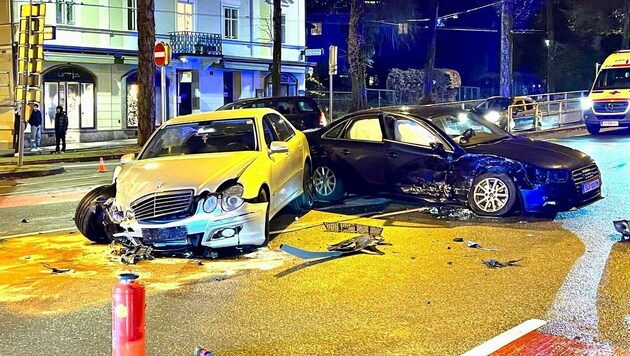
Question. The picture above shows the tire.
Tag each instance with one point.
(327, 184)
(305, 201)
(264, 198)
(593, 129)
(86, 218)
(492, 194)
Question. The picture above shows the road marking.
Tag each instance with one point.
(40, 199)
(37, 233)
(59, 180)
(84, 187)
(505, 338)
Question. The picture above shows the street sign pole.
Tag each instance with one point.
(332, 70)
(26, 75)
(162, 56)
(163, 88)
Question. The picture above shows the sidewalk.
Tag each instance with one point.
(76, 146)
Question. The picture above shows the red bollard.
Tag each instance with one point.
(128, 328)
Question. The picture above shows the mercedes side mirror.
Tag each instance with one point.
(128, 158)
(278, 147)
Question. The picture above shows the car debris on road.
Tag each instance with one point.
(492, 263)
(353, 228)
(623, 227)
(472, 244)
(55, 270)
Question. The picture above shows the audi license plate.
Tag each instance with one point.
(609, 123)
(165, 234)
(590, 186)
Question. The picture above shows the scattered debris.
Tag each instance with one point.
(353, 228)
(448, 247)
(56, 270)
(492, 263)
(449, 263)
(356, 244)
(458, 239)
(131, 251)
(473, 244)
(428, 302)
(24, 221)
(307, 255)
(450, 212)
(623, 227)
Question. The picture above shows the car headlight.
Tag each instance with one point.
(493, 116)
(210, 203)
(232, 198)
(586, 103)
(550, 176)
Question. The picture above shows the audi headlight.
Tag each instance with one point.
(493, 116)
(550, 176)
(210, 203)
(232, 198)
(586, 103)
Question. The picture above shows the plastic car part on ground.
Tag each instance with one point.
(366, 242)
(131, 251)
(623, 227)
(473, 244)
(492, 263)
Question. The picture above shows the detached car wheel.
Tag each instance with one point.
(327, 184)
(305, 201)
(492, 194)
(593, 129)
(88, 220)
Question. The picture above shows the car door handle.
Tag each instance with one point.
(345, 152)
(392, 155)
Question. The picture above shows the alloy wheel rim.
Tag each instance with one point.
(324, 180)
(491, 195)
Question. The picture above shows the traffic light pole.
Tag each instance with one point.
(26, 74)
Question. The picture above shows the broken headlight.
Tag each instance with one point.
(550, 175)
(232, 198)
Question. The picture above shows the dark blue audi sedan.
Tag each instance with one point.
(447, 155)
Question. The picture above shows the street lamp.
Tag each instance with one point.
(547, 43)
(549, 74)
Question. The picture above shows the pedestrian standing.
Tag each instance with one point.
(35, 120)
(16, 128)
(61, 126)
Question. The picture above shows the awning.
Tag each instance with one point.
(263, 65)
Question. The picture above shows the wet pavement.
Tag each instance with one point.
(426, 295)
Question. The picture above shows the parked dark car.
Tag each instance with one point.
(524, 111)
(447, 155)
(302, 112)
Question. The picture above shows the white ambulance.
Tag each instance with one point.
(608, 102)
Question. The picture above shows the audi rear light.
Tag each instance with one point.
(322, 119)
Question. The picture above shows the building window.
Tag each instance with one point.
(184, 17)
(65, 13)
(283, 29)
(316, 30)
(231, 23)
(132, 8)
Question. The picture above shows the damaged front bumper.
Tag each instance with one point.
(241, 227)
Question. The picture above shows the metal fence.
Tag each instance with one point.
(343, 100)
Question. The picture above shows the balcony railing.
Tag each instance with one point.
(199, 43)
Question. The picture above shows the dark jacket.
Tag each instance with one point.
(61, 122)
(36, 118)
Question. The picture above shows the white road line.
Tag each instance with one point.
(505, 338)
(58, 180)
(37, 233)
(53, 192)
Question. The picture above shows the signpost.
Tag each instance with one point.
(332, 70)
(313, 52)
(162, 55)
(30, 62)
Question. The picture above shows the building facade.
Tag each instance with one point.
(222, 51)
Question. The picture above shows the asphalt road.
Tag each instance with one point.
(426, 295)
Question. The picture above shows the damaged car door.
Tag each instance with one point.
(417, 159)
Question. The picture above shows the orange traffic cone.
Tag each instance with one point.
(101, 166)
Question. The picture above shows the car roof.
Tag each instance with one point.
(220, 115)
(422, 111)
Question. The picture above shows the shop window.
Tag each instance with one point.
(73, 89)
(288, 85)
(316, 30)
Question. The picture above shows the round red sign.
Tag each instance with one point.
(161, 54)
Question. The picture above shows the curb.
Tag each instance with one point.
(32, 173)
(70, 159)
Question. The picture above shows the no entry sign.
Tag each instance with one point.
(162, 54)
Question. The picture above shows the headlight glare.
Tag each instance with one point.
(493, 116)
(210, 203)
(232, 198)
(586, 103)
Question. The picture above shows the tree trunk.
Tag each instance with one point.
(356, 56)
(625, 43)
(427, 93)
(277, 48)
(146, 70)
(551, 47)
(507, 23)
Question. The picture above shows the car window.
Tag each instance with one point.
(303, 106)
(498, 104)
(367, 129)
(335, 131)
(268, 131)
(227, 135)
(282, 128)
(284, 107)
(408, 131)
(258, 105)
